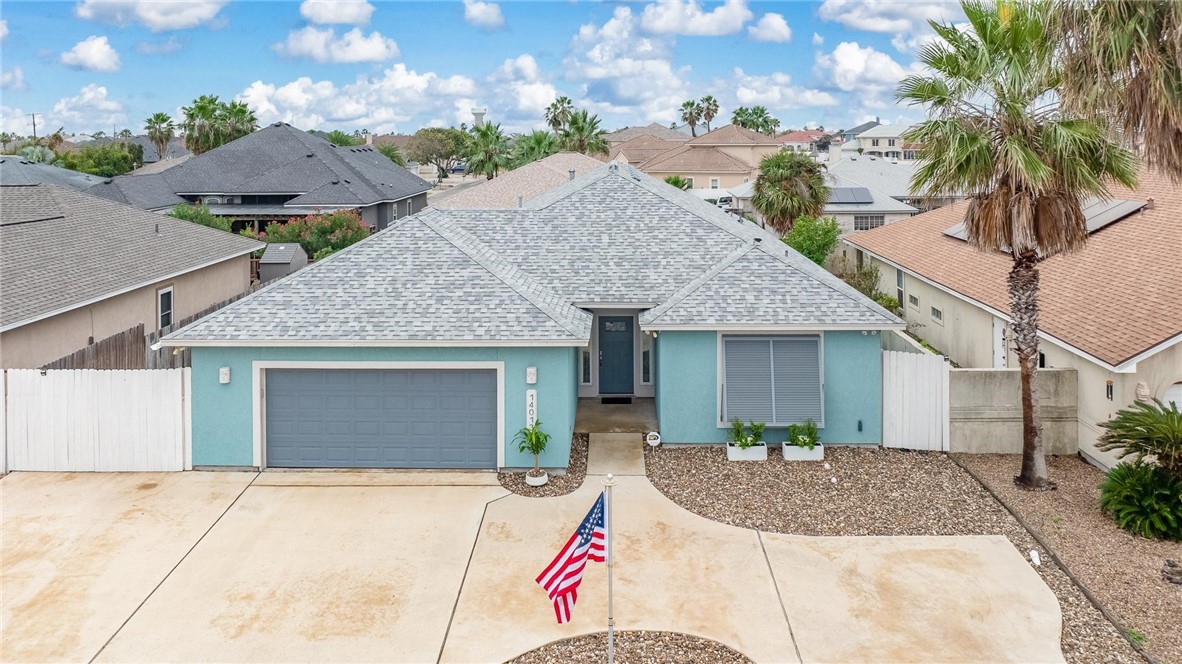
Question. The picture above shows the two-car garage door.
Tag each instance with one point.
(381, 418)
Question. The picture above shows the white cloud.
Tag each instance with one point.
(818, 39)
(771, 28)
(852, 67)
(775, 92)
(93, 53)
(155, 15)
(484, 15)
(354, 12)
(892, 16)
(519, 92)
(685, 17)
(3, 29)
(13, 79)
(89, 110)
(324, 45)
(160, 46)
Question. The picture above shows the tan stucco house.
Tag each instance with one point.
(76, 268)
(1112, 312)
(724, 158)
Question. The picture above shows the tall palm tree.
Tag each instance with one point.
(236, 120)
(124, 133)
(160, 131)
(583, 134)
(341, 138)
(741, 117)
(393, 153)
(533, 146)
(200, 124)
(488, 151)
(1124, 61)
(691, 113)
(709, 110)
(997, 134)
(790, 185)
(558, 113)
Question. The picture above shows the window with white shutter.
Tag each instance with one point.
(776, 380)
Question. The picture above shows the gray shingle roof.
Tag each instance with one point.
(280, 254)
(15, 170)
(90, 248)
(146, 192)
(892, 179)
(614, 235)
(879, 203)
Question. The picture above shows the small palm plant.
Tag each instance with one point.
(1145, 498)
(533, 440)
(677, 181)
(1147, 429)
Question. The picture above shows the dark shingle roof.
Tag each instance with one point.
(105, 248)
(146, 192)
(15, 170)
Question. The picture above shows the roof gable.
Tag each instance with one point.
(523, 183)
(733, 135)
(695, 159)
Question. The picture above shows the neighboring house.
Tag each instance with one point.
(160, 166)
(855, 207)
(851, 135)
(655, 130)
(512, 188)
(886, 141)
(636, 151)
(15, 170)
(78, 268)
(1112, 312)
(888, 176)
(721, 159)
(280, 260)
(276, 173)
(804, 140)
(432, 343)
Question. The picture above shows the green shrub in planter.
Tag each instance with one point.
(533, 440)
(1144, 499)
(739, 436)
(803, 435)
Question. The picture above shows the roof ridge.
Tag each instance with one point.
(693, 285)
(830, 281)
(525, 286)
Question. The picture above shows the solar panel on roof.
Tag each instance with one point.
(850, 195)
(1097, 214)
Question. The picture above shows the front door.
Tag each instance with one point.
(615, 355)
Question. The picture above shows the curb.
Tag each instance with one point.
(1120, 628)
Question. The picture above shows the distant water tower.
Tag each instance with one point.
(478, 116)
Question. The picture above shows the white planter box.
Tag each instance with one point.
(757, 452)
(794, 453)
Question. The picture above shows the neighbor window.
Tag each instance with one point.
(937, 315)
(585, 367)
(891, 142)
(874, 142)
(908, 155)
(689, 183)
(1042, 361)
(864, 222)
(164, 307)
(714, 183)
(899, 285)
(775, 380)
(913, 301)
(646, 358)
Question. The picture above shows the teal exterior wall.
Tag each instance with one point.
(223, 421)
(687, 388)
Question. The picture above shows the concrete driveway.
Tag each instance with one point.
(423, 567)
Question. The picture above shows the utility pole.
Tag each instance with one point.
(34, 116)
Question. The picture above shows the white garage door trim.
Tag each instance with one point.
(258, 376)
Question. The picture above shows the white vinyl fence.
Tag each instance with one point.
(914, 401)
(96, 420)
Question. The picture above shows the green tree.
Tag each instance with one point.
(582, 133)
(105, 160)
(200, 214)
(210, 123)
(755, 118)
(691, 114)
(38, 154)
(790, 185)
(997, 135)
(439, 146)
(677, 181)
(558, 113)
(393, 153)
(160, 130)
(338, 137)
(488, 151)
(709, 110)
(124, 133)
(814, 237)
(533, 146)
(1123, 60)
(99, 134)
(5, 139)
(319, 235)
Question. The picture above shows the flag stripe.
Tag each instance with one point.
(562, 576)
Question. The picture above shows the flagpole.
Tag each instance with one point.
(611, 562)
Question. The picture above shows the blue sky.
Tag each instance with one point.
(397, 66)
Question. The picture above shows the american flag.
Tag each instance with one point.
(562, 577)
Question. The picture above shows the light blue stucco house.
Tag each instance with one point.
(433, 342)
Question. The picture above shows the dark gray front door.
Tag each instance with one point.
(371, 418)
(615, 355)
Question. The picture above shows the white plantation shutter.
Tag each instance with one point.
(776, 380)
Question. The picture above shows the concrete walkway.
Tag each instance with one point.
(422, 567)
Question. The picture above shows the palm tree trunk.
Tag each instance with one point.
(1023, 285)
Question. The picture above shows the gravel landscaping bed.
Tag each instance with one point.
(634, 648)
(1123, 571)
(877, 492)
(576, 470)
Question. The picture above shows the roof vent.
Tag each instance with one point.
(157, 228)
(346, 182)
(758, 240)
(520, 201)
(570, 174)
(309, 155)
(336, 181)
(1149, 203)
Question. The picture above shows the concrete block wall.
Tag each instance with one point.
(986, 411)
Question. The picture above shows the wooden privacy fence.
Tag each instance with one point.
(914, 401)
(89, 420)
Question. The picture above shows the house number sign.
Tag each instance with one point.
(531, 407)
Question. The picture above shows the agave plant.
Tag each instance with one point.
(1143, 499)
(1147, 429)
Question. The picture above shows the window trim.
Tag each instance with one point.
(715, 183)
(899, 291)
(869, 220)
(936, 314)
(915, 304)
(720, 375)
(171, 306)
(690, 180)
(652, 356)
